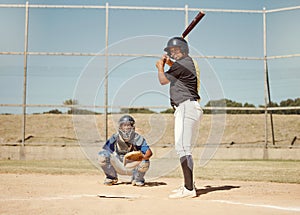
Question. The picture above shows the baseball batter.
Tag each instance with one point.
(183, 76)
(111, 157)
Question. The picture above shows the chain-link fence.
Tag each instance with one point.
(41, 69)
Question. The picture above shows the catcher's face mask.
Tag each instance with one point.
(126, 130)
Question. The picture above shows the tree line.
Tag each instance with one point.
(213, 103)
(230, 103)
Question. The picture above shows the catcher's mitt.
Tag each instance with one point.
(132, 156)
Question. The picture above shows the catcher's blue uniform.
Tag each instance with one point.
(117, 148)
(138, 143)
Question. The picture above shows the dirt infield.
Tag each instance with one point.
(77, 194)
(33, 193)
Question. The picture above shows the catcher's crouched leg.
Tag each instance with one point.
(105, 164)
(103, 158)
(143, 166)
(139, 173)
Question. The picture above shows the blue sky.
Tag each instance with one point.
(132, 80)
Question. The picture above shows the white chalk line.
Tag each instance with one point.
(259, 205)
(70, 197)
(65, 197)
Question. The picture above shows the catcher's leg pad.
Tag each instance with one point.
(143, 166)
(103, 158)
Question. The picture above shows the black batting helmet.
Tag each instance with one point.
(177, 42)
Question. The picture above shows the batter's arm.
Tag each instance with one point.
(160, 64)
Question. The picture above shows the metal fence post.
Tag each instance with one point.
(265, 156)
(106, 73)
(22, 148)
(186, 11)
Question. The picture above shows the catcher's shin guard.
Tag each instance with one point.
(143, 166)
(103, 158)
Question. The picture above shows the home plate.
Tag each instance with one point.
(118, 196)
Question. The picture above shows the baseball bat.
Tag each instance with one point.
(192, 25)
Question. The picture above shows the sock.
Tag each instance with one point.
(187, 169)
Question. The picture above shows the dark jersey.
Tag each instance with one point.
(183, 81)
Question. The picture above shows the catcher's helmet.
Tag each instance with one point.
(127, 133)
(177, 42)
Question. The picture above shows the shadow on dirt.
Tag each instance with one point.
(154, 184)
(209, 189)
(147, 184)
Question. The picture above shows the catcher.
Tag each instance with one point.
(125, 153)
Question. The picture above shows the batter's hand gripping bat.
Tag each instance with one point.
(195, 21)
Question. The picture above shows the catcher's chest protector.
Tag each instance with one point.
(123, 147)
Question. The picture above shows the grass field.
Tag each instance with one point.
(241, 170)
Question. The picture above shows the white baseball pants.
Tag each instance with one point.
(187, 120)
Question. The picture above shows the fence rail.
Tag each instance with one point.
(145, 8)
(148, 107)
